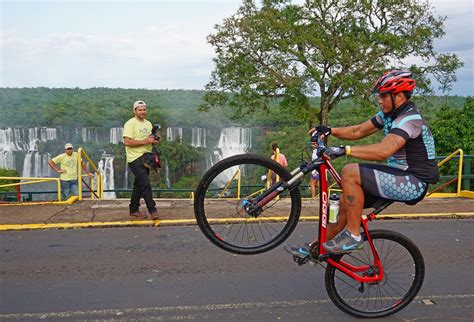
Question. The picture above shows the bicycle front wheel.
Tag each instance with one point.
(404, 270)
(235, 182)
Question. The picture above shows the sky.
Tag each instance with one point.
(149, 44)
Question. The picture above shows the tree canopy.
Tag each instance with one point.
(337, 49)
(453, 129)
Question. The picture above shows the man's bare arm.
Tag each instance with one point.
(380, 151)
(354, 132)
(133, 143)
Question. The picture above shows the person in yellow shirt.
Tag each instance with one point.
(138, 141)
(67, 169)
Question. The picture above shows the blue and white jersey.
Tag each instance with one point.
(417, 156)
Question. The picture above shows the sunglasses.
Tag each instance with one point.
(69, 149)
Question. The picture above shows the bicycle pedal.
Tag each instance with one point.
(301, 260)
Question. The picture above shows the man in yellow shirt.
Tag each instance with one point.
(138, 141)
(68, 171)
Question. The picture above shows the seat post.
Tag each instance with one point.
(383, 205)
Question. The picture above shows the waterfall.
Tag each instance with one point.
(126, 175)
(22, 139)
(116, 135)
(27, 166)
(174, 134)
(36, 165)
(233, 140)
(167, 175)
(198, 137)
(106, 168)
(7, 160)
(13, 139)
(39, 134)
(88, 134)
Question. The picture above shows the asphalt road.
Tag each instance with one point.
(174, 273)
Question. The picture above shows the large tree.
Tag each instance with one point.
(277, 50)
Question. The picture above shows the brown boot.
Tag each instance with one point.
(154, 215)
(137, 215)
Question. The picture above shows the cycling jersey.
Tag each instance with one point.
(417, 156)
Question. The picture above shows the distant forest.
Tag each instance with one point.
(106, 107)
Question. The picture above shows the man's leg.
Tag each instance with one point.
(65, 189)
(147, 194)
(135, 198)
(353, 197)
(142, 185)
(74, 188)
(312, 187)
(351, 202)
(351, 205)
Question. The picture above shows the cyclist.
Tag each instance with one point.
(408, 146)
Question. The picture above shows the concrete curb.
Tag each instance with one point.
(177, 222)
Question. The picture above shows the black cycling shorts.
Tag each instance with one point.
(381, 181)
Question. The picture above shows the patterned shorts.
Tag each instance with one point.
(382, 181)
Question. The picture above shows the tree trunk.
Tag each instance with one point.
(323, 114)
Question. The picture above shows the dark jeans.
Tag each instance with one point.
(141, 187)
(69, 188)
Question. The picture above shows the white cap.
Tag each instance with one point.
(67, 146)
(137, 104)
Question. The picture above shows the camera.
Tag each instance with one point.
(151, 160)
(155, 131)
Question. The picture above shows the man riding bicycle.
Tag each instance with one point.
(408, 146)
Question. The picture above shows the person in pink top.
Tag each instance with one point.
(281, 157)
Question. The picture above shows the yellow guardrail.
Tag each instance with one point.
(96, 193)
(31, 181)
(236, 174)
(459, 192)
(100, 187)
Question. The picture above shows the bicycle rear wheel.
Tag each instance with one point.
(224, 190)
(404, 271)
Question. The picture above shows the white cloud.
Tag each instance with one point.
(165, 51)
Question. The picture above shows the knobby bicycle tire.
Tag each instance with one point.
(404, 270)
(220, 215)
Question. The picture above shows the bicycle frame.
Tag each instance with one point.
(341, 265)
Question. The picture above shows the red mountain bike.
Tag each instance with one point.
(249, 204)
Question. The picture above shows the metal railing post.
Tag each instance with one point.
(79, 172)
(58, 182)
(466, 185)
(460, 168)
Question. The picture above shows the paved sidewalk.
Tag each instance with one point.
(114, 212)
